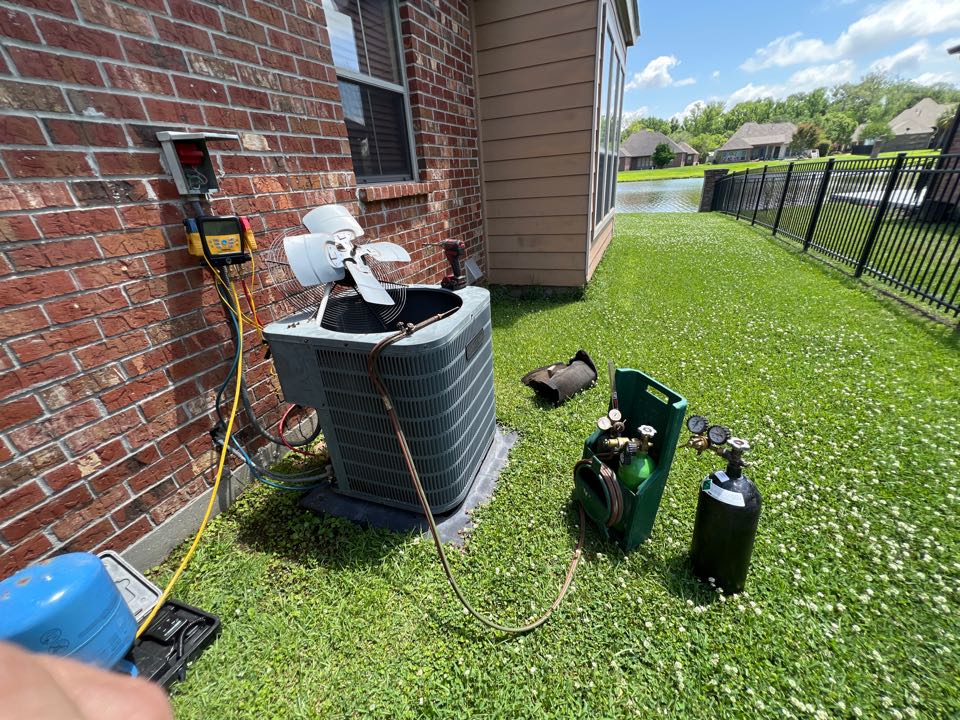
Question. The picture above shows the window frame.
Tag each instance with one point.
(611, 59)
(359, 78)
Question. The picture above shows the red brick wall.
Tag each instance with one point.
(112, 340)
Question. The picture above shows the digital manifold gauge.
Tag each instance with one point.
(223, 240)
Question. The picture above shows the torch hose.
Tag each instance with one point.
(381, 389)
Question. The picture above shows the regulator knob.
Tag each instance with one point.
(647, 431)
(739, 444)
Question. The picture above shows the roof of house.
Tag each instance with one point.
(921, 118)
(643, 142)
(687, 149)
(752, 134)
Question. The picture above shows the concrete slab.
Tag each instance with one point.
(453, 525)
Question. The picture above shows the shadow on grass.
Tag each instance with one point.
(678, 579)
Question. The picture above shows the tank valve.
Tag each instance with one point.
(728, 509)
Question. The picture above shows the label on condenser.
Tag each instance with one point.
(728, 497)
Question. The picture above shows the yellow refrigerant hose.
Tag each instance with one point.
(220, 466)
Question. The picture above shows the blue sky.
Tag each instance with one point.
(741, 50)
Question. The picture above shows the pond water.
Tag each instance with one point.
(681, 195)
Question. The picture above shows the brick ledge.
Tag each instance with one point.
(389, 191)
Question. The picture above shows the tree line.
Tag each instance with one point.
(825, 117)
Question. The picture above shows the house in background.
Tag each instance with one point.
(913, 129)
(757, 141)
(494, 122)
(636, 152)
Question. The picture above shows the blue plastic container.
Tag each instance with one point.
(67, 606)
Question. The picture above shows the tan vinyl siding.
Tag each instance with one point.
(536, 69)
(604, 236)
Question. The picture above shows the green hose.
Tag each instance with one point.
(381, 389)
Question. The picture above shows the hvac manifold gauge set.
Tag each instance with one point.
(622, 474)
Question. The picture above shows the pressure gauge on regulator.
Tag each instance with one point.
(615, 415)
(718, 434)
(696, 424)
(604, 423)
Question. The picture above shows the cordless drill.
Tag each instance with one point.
(454, 251)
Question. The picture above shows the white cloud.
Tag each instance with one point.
(685, 113)
(715, 74)
(932, 78)
(891, 21)
(628, 116)
(754, 92)
(657, 74)
(822, 75)
(906, 60)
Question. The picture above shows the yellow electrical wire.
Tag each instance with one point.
(220, 465)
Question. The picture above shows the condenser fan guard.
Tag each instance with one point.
(347, 312)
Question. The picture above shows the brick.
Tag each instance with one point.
(195, 13)
(91, 537)
(22, 321)
(41, 163)
(69, 474)
(20, 411)
(135, 390)
(133, 319)
(110, 192)
(176, 501)
(80, 388)
(143, 502)
(247, 29)
(157, 288)
(75, 132)
(28, 467)
(43, 371)
(24, 497)
(112, 349)
(50, 66)
(154, 55)
(183, 34)
(110, 272)
(203, 90)
(126, 537)
(152, 473)
(212, 67)
(18, 227)
(54, 508)
(105, 104)
(130, 466)
(130, 163)
(17, 25)
(85, 305)
(133, 243)
(237, 49)
(227, 118)
(97, 433)
(30, 96)
(53, 254)
(56, 340)
(80, 39)
(23, 554)
(34, 195)
(173, 112)
(19, 290)
(101, 506)
(55, 426)
(138, 79)
(78, 222)
(116, 16)
(16, 130)
(58, 7)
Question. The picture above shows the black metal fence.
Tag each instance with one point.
(896, 219)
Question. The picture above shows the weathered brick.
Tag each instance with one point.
(129, 163)
(126, 537)
(17, 130)
(86, 385)
(16, 501)
(34, 195)
(156, 55)
(114, 425)
(182, 34)
(50, 66)
(133, 319)
(53, 254)
(19, 411)
(173, 112)
(55, 426)
(91, 537)
(22, 321)
(116, 16)
(28, 467)
(78, 222)
(23, 554)
(17, 25)
(110, 192)
(135, 390)
(138, 79)
(56, 340)
(112, 349)
(19, 290)
(85, 305)
(75, 132)
(133, 243)
(109, 272)
(203, 90)
(101, 506)
(31, 96)
(54, 508)
(58, 7)
(45, 163)
(105, 104)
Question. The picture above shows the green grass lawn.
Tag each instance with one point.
(693, 171)
(852, 609)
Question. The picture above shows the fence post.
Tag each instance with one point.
(756, 205)
(783, 198)
(815, 215)
(881, 211)
(742, 190)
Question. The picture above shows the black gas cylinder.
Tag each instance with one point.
(728, 511)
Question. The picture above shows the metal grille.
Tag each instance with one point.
(895, 220)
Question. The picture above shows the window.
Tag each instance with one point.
(609, 108)
(365, 40)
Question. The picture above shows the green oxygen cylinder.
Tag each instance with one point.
(636, 465)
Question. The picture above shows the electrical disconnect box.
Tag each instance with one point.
(188, 160)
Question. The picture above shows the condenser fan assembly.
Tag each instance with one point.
(352, 286)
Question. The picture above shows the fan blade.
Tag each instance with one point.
(368, 286)
(385, 252)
